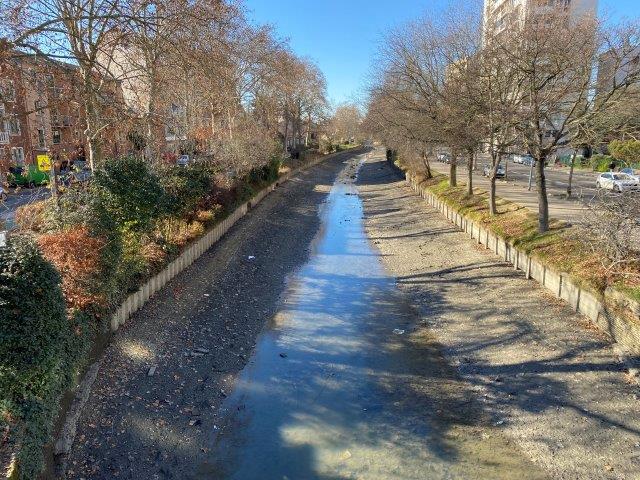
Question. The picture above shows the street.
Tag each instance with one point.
(14, 200)
(344, 330)
(515, 187)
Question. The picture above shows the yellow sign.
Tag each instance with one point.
(44, 163)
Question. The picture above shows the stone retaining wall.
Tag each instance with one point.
(613, 313)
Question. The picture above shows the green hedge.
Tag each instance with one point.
(39, 348)
(602, 163)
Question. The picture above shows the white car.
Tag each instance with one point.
(523, 159)
(617, 182)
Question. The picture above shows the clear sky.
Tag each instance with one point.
(341, 36)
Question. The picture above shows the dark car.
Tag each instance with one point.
(444, 157)
(500, 172)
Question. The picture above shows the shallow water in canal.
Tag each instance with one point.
(345, 383)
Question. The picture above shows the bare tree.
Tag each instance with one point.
(81, 31)
(556, 56)
(346, 123)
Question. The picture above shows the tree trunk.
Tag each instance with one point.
(495, 160)
(53, 182)
(286, 131)
(308, 134)
(506, 168)
(230, 121)
(543, 200)
(470, 173)
(493, 208)
(453, 181)
(91, 121)
(427, 167)
(573, 162)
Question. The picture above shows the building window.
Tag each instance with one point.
(41, 138)
(8, 93)
(17, 156)
(38, 107)
(56, 137)
(13, 125)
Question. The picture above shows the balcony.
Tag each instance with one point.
(4, 138)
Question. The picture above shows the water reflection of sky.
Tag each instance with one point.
(331, 392)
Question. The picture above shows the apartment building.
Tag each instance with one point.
(41, 112)
(15, 141)
(499, 14)
(617, 66)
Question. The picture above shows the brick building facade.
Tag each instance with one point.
(41, 112)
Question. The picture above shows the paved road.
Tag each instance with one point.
(515, 188)
(15, 200)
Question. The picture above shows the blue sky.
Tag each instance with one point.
(341, 36)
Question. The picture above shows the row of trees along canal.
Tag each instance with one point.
(448, 80)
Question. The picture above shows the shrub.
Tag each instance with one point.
(31, 217)
(77, 256)
(208, 216)
(177, 232)
(243, 191)
(35, 339)
(627, 151)
(185, 187)
(33, 320)
(132, 265)
(77, 206)
(602, 163)
(130, 192)
(154, 255)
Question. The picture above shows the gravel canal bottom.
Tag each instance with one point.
(343, 386)
(343, 330)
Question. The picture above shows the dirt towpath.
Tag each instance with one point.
(547, 380)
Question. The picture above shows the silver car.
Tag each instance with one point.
(617, 182)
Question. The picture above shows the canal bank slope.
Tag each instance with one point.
(545, 377)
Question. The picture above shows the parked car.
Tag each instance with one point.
(183, 160)
(617, 182)
(500, 172)
(29, 176)
(75, 176)
(527, 160)
(444, 157)
(631, 172)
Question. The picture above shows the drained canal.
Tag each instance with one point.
(345, 383)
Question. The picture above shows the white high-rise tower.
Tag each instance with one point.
(498, 14)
